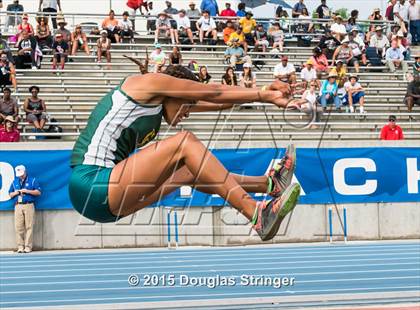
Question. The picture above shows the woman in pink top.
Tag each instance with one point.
(320, 62)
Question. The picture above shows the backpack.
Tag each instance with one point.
(54, 129)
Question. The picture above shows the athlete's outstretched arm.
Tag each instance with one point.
(151, 86)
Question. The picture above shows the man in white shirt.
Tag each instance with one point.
(414, 18)
(50, 6)
(207, 27)
(183, 27)
(285, 71)
(308, 74)
(354, 94)
(338, 29)
(126, 27)
(401, 14)
(379, 41)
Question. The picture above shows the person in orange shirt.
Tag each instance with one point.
(229, 29)
(111, 25)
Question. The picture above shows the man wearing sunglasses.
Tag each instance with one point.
(392, 131)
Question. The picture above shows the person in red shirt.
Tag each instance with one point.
(228, 11)
(9, 133)
(392, 131)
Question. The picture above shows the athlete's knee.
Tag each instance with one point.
(186, 136)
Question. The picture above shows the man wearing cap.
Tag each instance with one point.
(163, 25)
(379, 41)
(285, 71)
(392, 131)
(8, 132)
(413, 93)
(210, 6)
(308, 74)
(354, 94)
(414, 18)
(60, 51)
(8, 105)
(24, 190)
(236, 54)
(248, 24)
(14, 15)
(395, 58)
(183, 27)
(50, 6)
(328, 92)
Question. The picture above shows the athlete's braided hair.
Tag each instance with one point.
(180, 72)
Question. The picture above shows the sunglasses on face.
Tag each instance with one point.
(392, 120)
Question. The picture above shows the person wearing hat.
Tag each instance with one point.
(183, 25)
(338, 29)
(60, 50)
(392, 131)
(412, 96)
(26, 51)
(14, 15)
(112, 26)
(50, 6)
(341, 71)
(345, 53)
(248, 24)
(35, 109)
(163, 26)
(63, 30)
(357, 45)
(9, 132)
(235, 54)
(7, 72)
(260, 37)
(103, 45)
(158, 58)
(375, 17)
(354, 94)
(298, 8)
(277, 36)
(206, 27)
(8, 105)
(248, 79)
(414, 19)
(238, 37)
(308, 74)
(394, 58)
(210, 6)
(24, 191)
(379, 41)
(285, 71)
(328, 92)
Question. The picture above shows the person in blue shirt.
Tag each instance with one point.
(24, 190)
(298, 9)
(241, 10)
(211, 6)
(329, 92)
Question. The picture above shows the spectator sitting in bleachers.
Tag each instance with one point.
(354, 95)
(352, 21)
(403, 44)
(14, 17)
(26, 51)
(344, 53)
(392, 131)
(43, 33)
(341, 71)
(151, 18)
(241, 10)
(320, 62)
(210, 6)
(163, 25)
(9, 132)
(395, 58)
(79, 41)
(277, 36)
(35, 109)
(338, 29)
(126, 27)
(8, 105)
(203, 75)
(5, 48)
(193, 14)
(63, 30)
(175, 58)
(207, 27)
(238, 37)
(158, 58)
(228, 30)
(24, 26)
(112, 26)
(393, 33)
(7, 72)
(328, 92)
(328, 43)
(412, 96)
(298, 8)
(103, 45)
(357, 46)
(285, 71)
(248, 78)
(260, 39)
(235, 54)
(229, 78)
(183, 27)
(248, 24)
(414, 19)
(60, 51)
(305, 22)
(375, 16)
(379, 41)
(308, 74)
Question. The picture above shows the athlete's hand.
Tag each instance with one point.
(283, 87)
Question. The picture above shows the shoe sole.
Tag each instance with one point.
(291, 153)
(291, 197)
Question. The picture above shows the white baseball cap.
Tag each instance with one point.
(20, 170)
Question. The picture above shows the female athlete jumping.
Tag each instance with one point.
(108, 183)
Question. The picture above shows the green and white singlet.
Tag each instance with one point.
(116, 127)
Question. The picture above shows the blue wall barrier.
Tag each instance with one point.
(334, 175)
